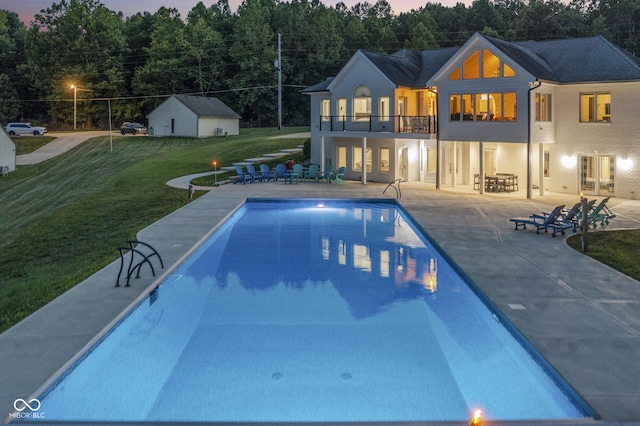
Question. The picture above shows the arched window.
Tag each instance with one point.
(362, 103)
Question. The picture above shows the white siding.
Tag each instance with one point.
(185, 122)
(7, 151)
(216, 126)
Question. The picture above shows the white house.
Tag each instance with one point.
(193, 116)
(7, 153)
(554, 115)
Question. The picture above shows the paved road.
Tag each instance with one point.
(63, 142)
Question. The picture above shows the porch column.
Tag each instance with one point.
(364, 164)
(454, 160)
(541, 168)
(481, 158)
(322, 159)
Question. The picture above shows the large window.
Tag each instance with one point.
(341, 109)
(595, 107)
(362, 103)
(342, 156)
(495, 106)
(543, 107)
(481, 64)
(383, 108)
(326, 109)
(357, 159)
(384, 160)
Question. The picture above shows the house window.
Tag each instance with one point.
(326, 109)
(546, 164)
(357, 159)
(543, 107)
(471, 66)
(595, 107)
(483, 107)
(341, 109)
(384, 160)
(362, 103)
(490, 65)
(482, 63)
(432, 160)
(383, 113)
(342, 156)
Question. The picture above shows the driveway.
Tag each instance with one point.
(63, 142)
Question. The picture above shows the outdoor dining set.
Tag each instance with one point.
(295, 174)
(500, 182)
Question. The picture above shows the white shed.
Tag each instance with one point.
(193, 116)
(7, 153)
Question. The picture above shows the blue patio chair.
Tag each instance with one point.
(338, 175)
(281, 172)
(295, 174)
(546, 222)
(326, 176)
(265, 173)
(312, 173)
(252, 171)
(243, 177)
(600, 214)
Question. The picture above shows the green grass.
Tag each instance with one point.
(617, 249)
(62, 220)
(28, 144)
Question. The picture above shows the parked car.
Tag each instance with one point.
(133, 128)
(14, 129)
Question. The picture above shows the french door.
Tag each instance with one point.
(597, 174)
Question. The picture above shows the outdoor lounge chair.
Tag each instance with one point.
(243, 177)
(265, 173)
(327, 174)
(600, 214)
(281, 172)
(568, 217)
(252, 171)
(546, 222)
(312, 173)
(295, 174)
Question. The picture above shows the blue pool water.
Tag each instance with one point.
(310, 311)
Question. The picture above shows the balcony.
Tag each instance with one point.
(378, 124)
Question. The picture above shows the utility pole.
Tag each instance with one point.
(279, 67)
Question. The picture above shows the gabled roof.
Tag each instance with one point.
(576, 60)
(320, 87)
(204, 106)
(410, 68)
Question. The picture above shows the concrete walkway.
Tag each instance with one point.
(583, 317)
(63, 142)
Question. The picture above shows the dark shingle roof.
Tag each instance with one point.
(572, 60)
(320, 87)
(204, 106)
(411, 68)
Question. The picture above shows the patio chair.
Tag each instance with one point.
(326, 175)
(546, 222)
(252, 171)
(243, 177)
(337, 177)
(567, 217)
(295, 174)
(281, 172)
(265, 173)
(312, 173)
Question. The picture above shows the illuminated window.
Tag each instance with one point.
(384, 160)
(467, 107)
(546, 164)
(455, 75)
(543, 107)
(471, 66)
(454, 107)
(507, 71)
(495, 105)
(341, 109)
(357, 159)
(595, 107)
(362, 103)
(509, 106)
(483, 107)
(342, 156)
(326, 109)
(383, 112)
(490, 65)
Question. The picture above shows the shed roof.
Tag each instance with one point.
(204, 106)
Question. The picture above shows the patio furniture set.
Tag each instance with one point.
(296, 174)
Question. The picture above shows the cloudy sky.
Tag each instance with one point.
(27, 8)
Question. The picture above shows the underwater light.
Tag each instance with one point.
(476, 419)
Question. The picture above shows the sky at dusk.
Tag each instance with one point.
(27, 8)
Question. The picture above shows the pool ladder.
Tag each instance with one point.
(135, 249)
(395, 185)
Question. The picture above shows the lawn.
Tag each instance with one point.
(28, 144)
(62, 219)
(617, 249)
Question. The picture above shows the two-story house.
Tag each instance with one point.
(556, 115)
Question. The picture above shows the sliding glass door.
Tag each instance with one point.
(597, 174)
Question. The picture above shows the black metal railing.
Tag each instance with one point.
(140, 251)
(424, 124)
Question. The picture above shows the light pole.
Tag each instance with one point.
(75, 92)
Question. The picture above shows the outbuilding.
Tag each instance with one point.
(7, 154)
(193, 116)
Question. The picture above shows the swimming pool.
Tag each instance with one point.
(312, 311)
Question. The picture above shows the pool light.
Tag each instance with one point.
(476, 419)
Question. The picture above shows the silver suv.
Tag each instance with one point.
(14, 129)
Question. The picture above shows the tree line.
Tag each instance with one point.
(129, 65)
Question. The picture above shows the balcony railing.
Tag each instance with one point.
(370, 123)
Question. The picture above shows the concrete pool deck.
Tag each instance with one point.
(583, 317)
